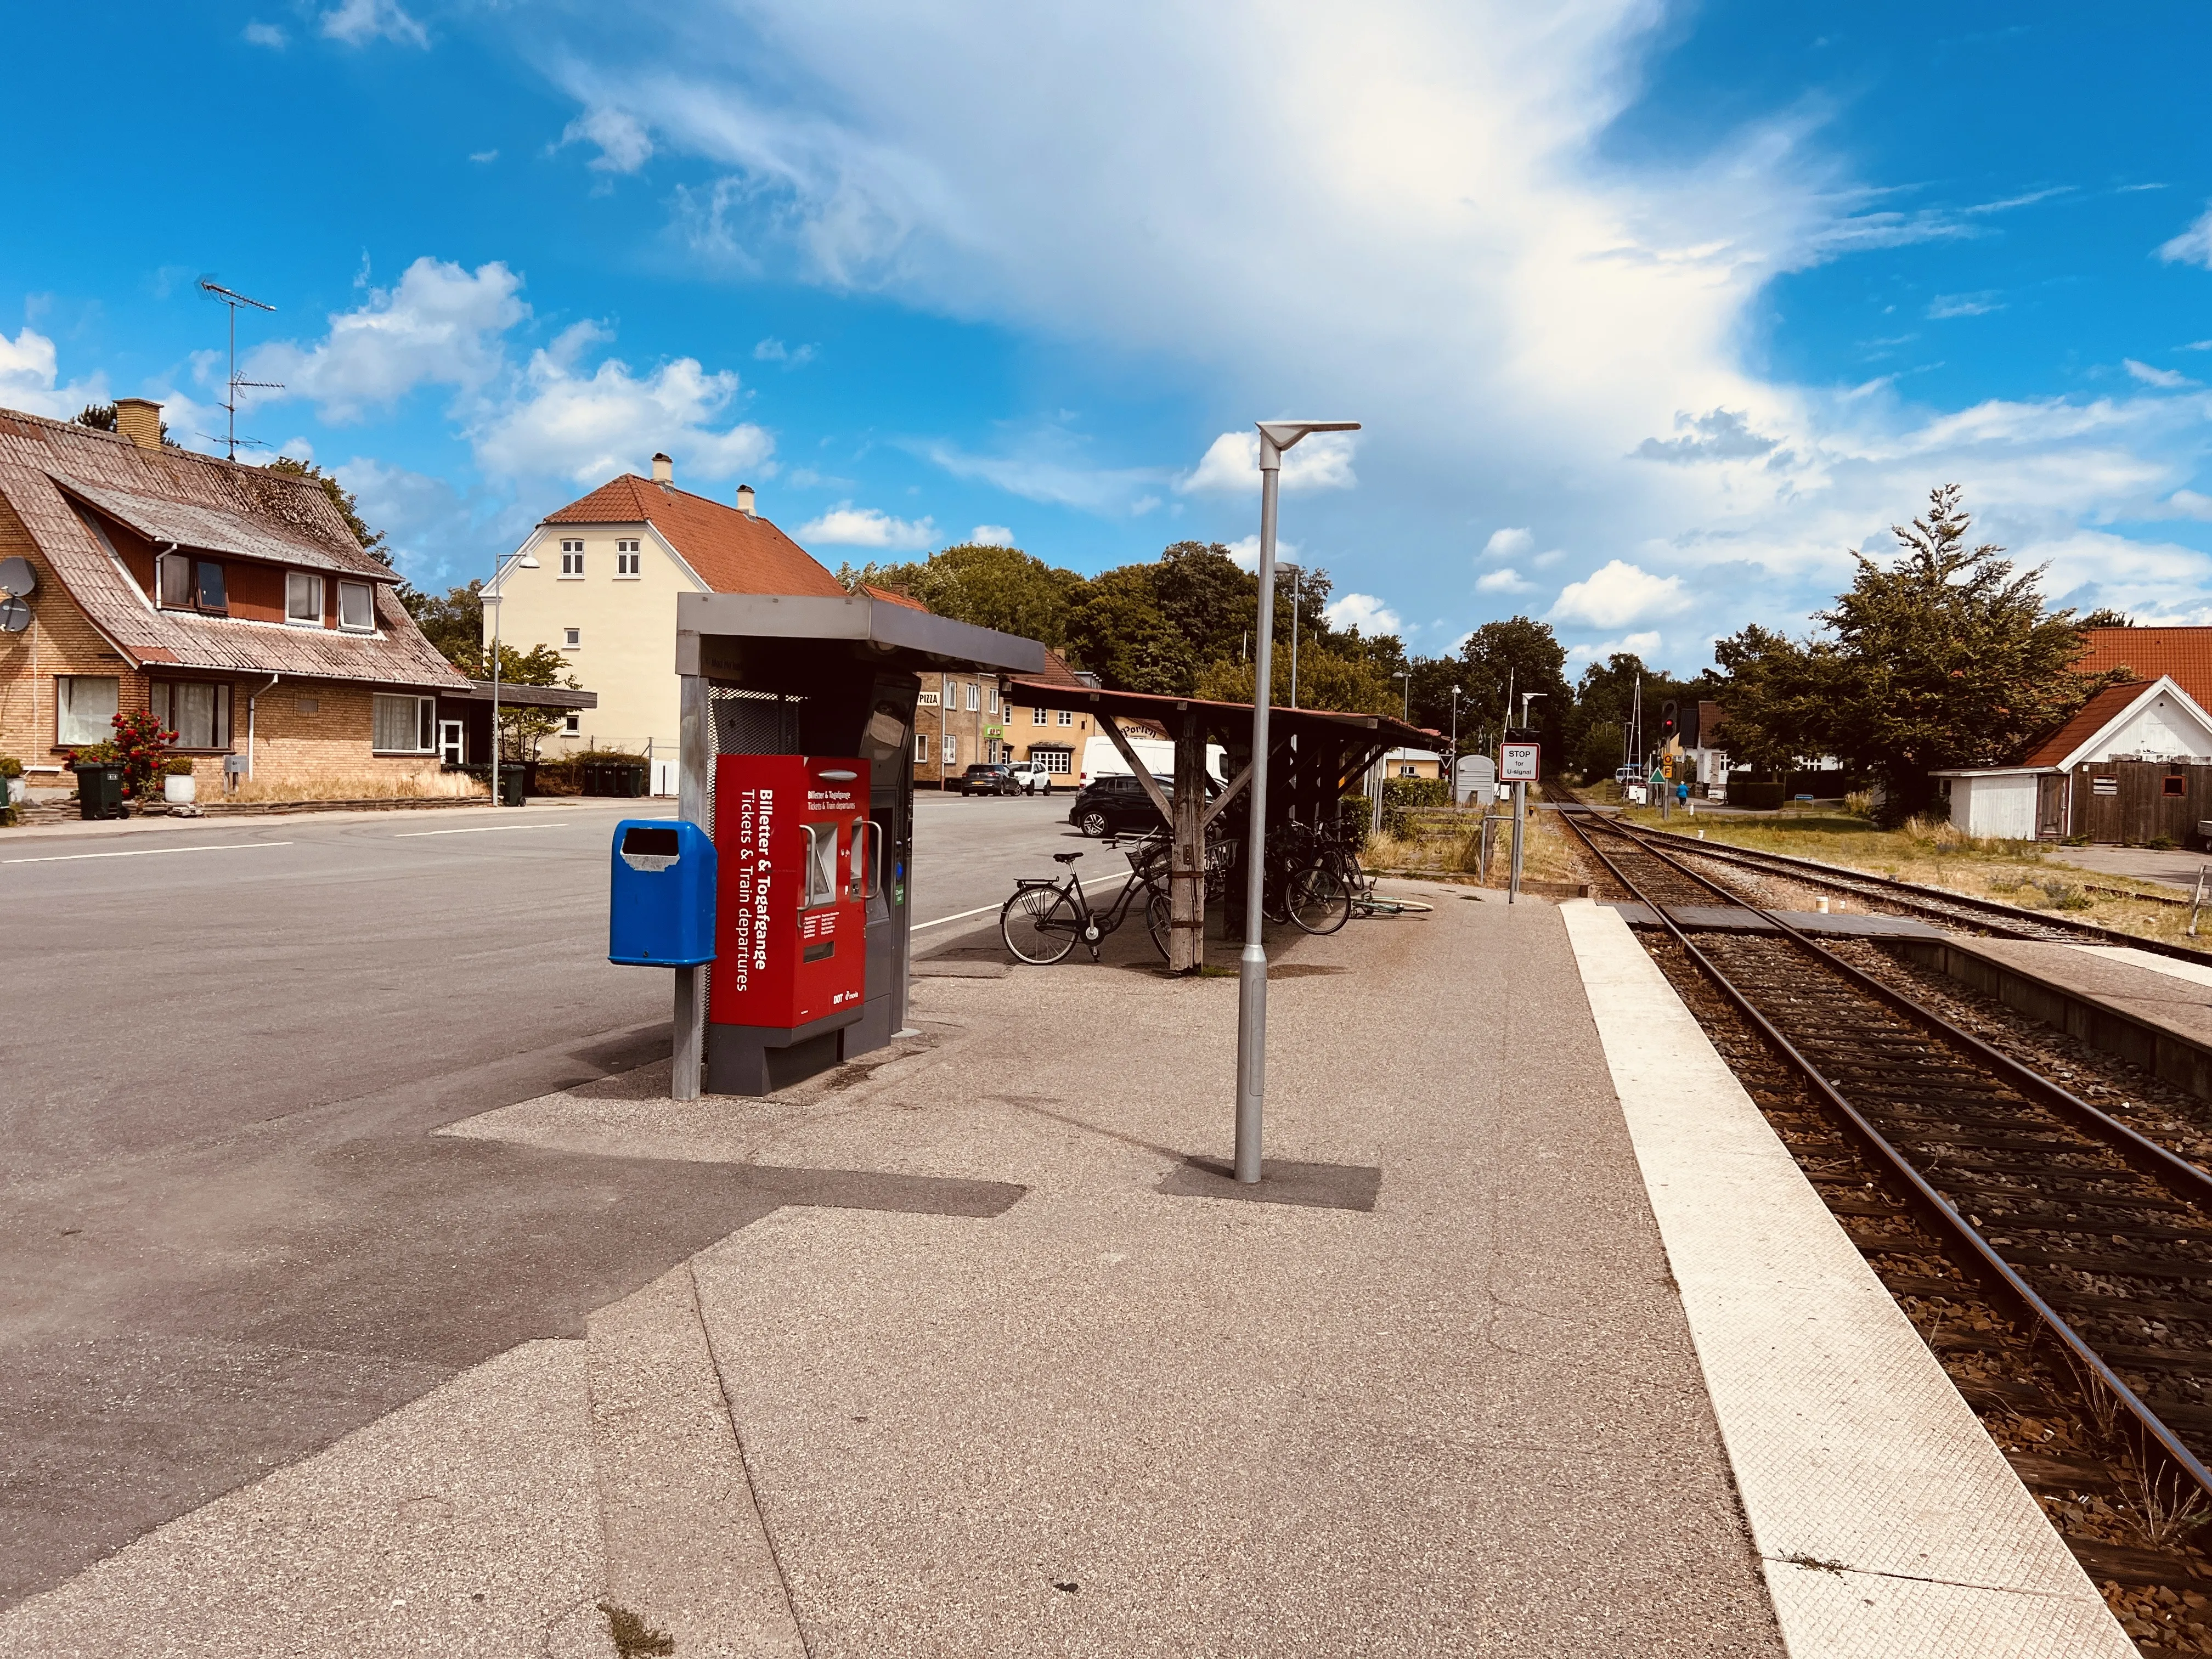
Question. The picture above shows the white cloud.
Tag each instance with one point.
(1508, 544)
(481, 156)
(29, 371)
(992, 535)
(1044, 473)
(1365, 612)
(2193, 247)
(2167, 378)
(1231, 462)
(587, 427)
(357, 22)
(1505, 580)
(440, 326)
(1245, 550)
(1616, 593)
(263, 35)
(774, 351)
(1645, 646)
(1963, 305)
(624, 145)
(847, 525)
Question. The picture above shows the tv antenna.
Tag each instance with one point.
(215, 291)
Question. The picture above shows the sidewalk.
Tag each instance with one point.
(247, 822)
(1430, 1390)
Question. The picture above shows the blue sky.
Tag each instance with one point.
(1651, 312)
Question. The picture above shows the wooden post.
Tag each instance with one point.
(1186, 851)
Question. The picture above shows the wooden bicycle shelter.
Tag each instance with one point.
(1315, 755)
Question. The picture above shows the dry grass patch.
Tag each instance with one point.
(342, 785)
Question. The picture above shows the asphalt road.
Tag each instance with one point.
(227, 1234)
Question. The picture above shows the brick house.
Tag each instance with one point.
(231, 600)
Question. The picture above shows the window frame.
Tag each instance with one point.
(572, 559)
(60, 742)
(162, 702)
(952, 749)
(629, 560)
(201, 570)
(321, 596)
(1037, 716)
(572, 639)
(572, 724)
(974, 696)
(163, 565)
(425, 722)
(1066, 717)
(921, 747)
(366, 589)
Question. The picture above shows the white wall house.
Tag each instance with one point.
(2156, 721)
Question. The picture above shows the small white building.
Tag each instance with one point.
(2059, 788)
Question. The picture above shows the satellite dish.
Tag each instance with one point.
(17, 579)
(14, 616)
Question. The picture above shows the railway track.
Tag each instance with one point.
(2074, 1223)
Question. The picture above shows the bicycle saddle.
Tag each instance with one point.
(1065, 858)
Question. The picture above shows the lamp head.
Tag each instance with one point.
(527, 562)
(1276, 436)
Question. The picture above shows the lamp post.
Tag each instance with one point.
(524, 560)
(1297, 572)
(1520, 810)
(1275, 437)
(1454, 746)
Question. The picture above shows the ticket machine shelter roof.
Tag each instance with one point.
(740, 636)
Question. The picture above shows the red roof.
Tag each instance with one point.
(734, 552)
(2184, 653)
(2094, 717)
(1056, 670)
(892, 596)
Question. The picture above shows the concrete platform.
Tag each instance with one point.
(1730, 919)
(2152, 1011)
(1443, 1397)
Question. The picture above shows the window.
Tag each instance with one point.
(176, 579)
(626, 559)
(207, 579)
(951, 751)
(571, 638)
(995, 699)
(404, 726)
(1408, 769)
(974, 696)
(573, 725)
(303, 599)
(921, 749)
(2177, 783)
(84, 708)
(572, 558)
(1059, 762)
(1066, 717)
(197, 711)
(357, 607)
(1036, 717)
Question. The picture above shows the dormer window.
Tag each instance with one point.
(303, 599)
(357, 607)
(189, 584)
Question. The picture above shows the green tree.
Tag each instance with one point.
(2105, 616)
(1119, 632)
(1603, 749)
(1208, 601)
(999, 587)
(372, 541)
(1528, 656)
(1944, 657)
(452, 623)
(1326, 679)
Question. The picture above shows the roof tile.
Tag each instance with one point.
(2090, 718)
(2184, 653)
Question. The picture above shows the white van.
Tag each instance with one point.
(1101, 759)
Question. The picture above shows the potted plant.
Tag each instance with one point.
(179, 787)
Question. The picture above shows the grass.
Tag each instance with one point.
(340, 786)
(1935, 853)
(1451, 843)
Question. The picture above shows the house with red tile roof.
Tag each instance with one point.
(2184, 654)
(602, 592)
(2135, 761)
(230, 600)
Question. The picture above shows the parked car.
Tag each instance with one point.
(1117, 804)
(989, 778)
(1033, 776)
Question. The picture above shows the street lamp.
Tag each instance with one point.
(491, 596)
(1520, 810)
(1275, 437)
(1297, 572)
(1457, 694)
(1406, 714)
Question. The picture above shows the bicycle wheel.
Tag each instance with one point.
(1158, 917)
(1039, 925)
(1319, 898)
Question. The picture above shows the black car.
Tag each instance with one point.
(989, 778)
(1117, 804)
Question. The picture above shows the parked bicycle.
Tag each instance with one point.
(1311, 878)
(1043, 919)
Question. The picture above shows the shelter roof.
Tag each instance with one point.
(732, 552)
(1163, 710)
(2184, 653)
(526, 696)
(60, 480)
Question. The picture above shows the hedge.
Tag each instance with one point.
(1761, 797)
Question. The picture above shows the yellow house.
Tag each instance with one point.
(603, 593)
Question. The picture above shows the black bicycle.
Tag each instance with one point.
(1042, 920)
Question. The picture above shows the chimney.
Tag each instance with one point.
(745, 499)
(139, 419)
(664, 470)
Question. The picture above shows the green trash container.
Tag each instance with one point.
(632, 779)
(99, 791)
(510, 786)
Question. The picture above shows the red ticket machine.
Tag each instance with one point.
(797, 867)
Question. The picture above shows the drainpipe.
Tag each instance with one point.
(253, 698)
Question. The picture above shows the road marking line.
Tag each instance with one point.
(979, 910)
(476, 829)
(148, 852)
